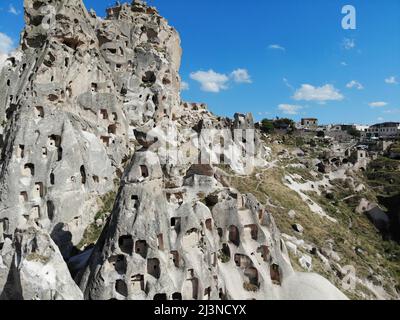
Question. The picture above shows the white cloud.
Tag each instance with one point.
(289, 108)
(392, 111)
(241, 76)
(12, 10)
(344, 64)
(391, 80)
(355, 84)
(348, 44)
(276, 47)
(380, 119)
(184, 86)
(322, 94)
(378, 104)
(6, 43)
(210, 80)
(287, 83)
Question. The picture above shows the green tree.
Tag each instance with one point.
(267, 126)
(353, 132)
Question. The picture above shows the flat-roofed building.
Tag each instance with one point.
(384, 130)
(309, 123)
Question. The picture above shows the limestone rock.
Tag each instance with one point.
(298, 228)
(306, 262)
(292, 214)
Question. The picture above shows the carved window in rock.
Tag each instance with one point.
(221, 294)
(135, 202)
(234, 236)
(141, 248)
(275, 274)
(149, 78)
(38, 190)
(176, 224)
(104, 114)
(153, 267)
(105, 140)
(209, 224)
(126, 244)
(226, 253)
(220, 232)
(59, 153)
(160, 297)
(144, 171)
(195, 288)
(260, 214)
(207, 293)
(54, 141)
(119, 263)
(137, 282)
(50, 210)
(176, 296)
(160, 242)
(29, 169)
(52, 178)
(52, 97)
(23, 197)
(264, 252)
(175, 258)
(121, 288)
(252, 275)
(253, 231)
(83, 174)
(21, 151)
(166, 81)
(44, 152)
(112, 129)
(94, 87)
(39, 112)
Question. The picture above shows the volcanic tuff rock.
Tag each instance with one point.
(78, 98)
(37, 269)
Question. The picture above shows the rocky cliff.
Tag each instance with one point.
(92, 106)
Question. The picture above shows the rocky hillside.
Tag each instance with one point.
(101, 175)
(331, 219)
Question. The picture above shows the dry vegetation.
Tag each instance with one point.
(357, 241)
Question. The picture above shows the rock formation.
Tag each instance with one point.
(79, 99)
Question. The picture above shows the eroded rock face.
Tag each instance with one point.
(66, 134)
(80, 97)
(198, 241)
(37, 270)
(188, 242)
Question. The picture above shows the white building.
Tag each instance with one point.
(384, 130)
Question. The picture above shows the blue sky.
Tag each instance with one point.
(278, 57)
